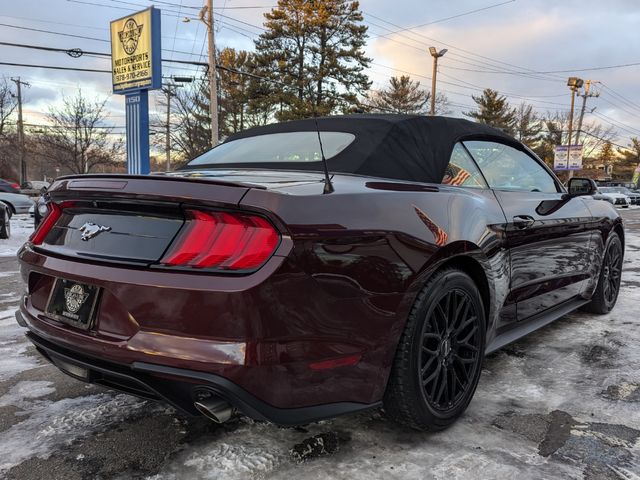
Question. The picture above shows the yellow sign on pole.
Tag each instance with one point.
(135, 63)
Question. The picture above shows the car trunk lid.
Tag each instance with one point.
(129, 219)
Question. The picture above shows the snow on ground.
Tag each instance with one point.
(561, 403)
(21, 228)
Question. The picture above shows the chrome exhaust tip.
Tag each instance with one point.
(214, 409)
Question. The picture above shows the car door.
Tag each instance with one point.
(548, 235)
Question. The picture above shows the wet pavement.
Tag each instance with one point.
(562, 403)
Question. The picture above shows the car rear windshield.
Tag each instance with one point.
(294, 147)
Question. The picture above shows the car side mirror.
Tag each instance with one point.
(581, 186)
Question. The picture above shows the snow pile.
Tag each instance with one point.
(13, 346)
(52, 424)
(252, 450)
(28, 389)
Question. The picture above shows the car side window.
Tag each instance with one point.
(507, 168)
(462, 170)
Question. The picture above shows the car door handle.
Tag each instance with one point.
(523, 221)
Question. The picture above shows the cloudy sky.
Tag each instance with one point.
(523, 48)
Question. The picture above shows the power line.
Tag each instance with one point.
(463, 14)
(175, 32)
(506, 94)
(467, 85)
(31, 29)
(34, 125)
(527, 71)
(622, 98)
(166, 12)
(605, 140)
(52, 67)
(171, 4)
(77, 52)
(591, 69)
(616, 105)
(617, 123)
(462, 84)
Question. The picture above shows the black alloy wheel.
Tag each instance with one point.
(606, 293)
(450, 350)
(440, 353)
(612, 272)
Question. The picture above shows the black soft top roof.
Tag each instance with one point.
(405, 147)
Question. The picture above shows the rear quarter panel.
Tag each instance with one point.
(605, 219)
(363, 253)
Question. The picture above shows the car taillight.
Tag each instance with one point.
(47, 223)
(222, 240)
(16, 186)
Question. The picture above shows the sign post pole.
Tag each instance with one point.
(137, 68)
(137, 108)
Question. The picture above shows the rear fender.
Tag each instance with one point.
(449, 255)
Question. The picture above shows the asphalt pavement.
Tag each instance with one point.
(562, 403)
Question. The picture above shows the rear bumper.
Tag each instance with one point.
(177, 386)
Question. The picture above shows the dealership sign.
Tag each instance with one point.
(567, 157)
(136, 68)
(135, 51)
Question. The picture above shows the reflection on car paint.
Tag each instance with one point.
(439, 235)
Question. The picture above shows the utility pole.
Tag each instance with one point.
(574, 83)
(23, 166)
(436, 55)
(169, 90)
(585, 95)
(206, 15)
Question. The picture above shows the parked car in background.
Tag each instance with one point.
(36, 184)
(17, 202)
(5, 222)
(34, 187)
(633, 196)
(611, 195)
(10, 187)
(313, 268)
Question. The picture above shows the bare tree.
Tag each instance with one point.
(556, 127)
(8, 104)
(77, 138)
(191, 125)
(8, 152)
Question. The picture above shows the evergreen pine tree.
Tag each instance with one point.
(315, 48)
(493, 109)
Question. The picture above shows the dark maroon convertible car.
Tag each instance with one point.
(255, 280)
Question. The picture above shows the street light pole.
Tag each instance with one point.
(574, 83)
(206, 15)
(435, 54)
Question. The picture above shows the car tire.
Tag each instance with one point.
(439, 357)
(606, 293)
(9, 209)
(5, 230)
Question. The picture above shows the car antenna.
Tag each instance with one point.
(328, 186)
